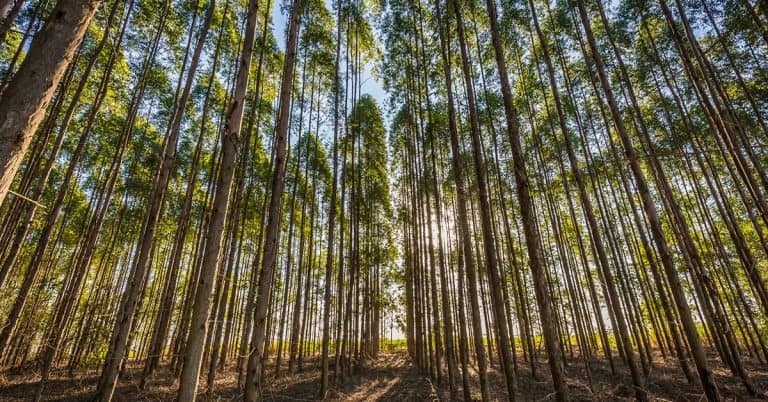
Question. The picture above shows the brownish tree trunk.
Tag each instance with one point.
(689, 327)
(212, 257)
(530, 225)
(331, 215)
(592, 225)
(131, 297)
(26, 98)
(269, 256)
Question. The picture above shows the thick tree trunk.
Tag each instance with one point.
(26, 98)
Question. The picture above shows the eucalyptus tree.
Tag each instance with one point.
(154, 210)
(604, 158)
(329, 262)
(462, 215)
(26, 97)
(263, 301)
(618, 313)
(212, 256)
(689, 327)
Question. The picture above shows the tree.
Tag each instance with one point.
(212, 256)
(263, 301)
(24, 101)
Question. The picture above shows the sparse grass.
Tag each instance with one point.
(392, 376)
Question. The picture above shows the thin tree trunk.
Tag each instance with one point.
(689, 327)
(213, 250)
(532, 236)
(263, 301)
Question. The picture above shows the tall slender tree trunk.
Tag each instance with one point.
(464, 233)
(530, 226)
(213, 250)
(592, 225)
(269, 256)
(689, 327)
(131, 297)
(331, 214)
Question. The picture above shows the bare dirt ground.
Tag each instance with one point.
(392, 377)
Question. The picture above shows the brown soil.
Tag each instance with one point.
(392, 377)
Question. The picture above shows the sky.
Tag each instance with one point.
(371, 84)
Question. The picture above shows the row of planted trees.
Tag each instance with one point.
(183, 195)
(588, 172)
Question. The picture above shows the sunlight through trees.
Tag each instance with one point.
(392, 199)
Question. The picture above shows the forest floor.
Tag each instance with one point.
(393, 377)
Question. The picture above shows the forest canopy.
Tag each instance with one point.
(394, 199)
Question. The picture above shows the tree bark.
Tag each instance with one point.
(689, 327)
(24, 101)
(269, 256)
(530, 226)
(213, 250)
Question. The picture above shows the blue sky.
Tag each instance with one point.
(371, 84)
